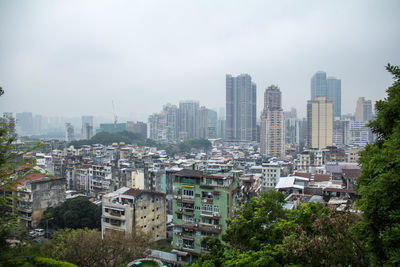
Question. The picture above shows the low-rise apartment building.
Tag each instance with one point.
(35, 193)
(133, 211)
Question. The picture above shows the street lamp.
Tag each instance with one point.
(47, 227)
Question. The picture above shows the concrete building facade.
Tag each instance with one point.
(363, 110)
(272, 129)
(201, 205)
(35, 193)
(319, 123)
(134, 211)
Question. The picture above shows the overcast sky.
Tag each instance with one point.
(72, 58)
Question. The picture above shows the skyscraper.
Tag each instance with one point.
(272, 136)
(189, 119)
(318, 85)
(363, 110)
(87, 127)
(25, 122)
(69, 132)
(208, 123)
(319, 123)
(334, 93)
(330, 87)
(240, 108)
(292, 127)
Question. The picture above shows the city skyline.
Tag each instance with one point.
(66, 54)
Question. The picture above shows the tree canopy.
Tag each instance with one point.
(106, 138)
(86, 247)
(379, 182)
(73, 213)
(263, 233)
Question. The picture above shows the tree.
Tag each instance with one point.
(264, 234)
(73, 213)
(379, 181)
(256, 221)
(11, 164)
(85, 247)
(319, 236)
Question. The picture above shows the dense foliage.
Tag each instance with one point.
(73, 213)
(85, 247)
(379, 182)
(106, 138)
(264, 234)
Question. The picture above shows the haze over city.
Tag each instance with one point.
(71, 58)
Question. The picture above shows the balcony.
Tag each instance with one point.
(25, 208)
(207, 200)
(24, 217)
(188, 200)
(209, 228)
(115, 222)
(188, 212)
(188, 237)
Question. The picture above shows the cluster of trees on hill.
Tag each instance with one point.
(106, 138)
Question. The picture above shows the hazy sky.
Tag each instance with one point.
(72, 58)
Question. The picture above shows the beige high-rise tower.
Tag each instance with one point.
(363, 110)
(319, 123)
(272, 128)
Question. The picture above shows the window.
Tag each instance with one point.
(216, 208)
(207, 208)
(220, 181)
(188, 219)
(188, 193)
(206, 195)
(206, 220)
(208, 181)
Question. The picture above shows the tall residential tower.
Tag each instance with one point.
(319, 123)
(272, 135)
(240, 108)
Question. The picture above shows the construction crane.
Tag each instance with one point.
(115, 115)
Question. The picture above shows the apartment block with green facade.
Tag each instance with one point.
(202, 202)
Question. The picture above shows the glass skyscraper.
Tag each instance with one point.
(330, 87)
